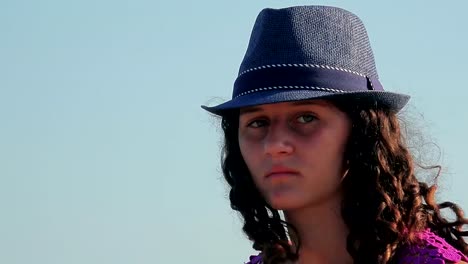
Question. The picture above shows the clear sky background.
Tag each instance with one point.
(105, 154)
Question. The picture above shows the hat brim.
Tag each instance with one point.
(375, 99)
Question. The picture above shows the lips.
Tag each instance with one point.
(278, 171)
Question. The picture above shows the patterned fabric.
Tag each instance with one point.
(255, 259)
(433, 250)
(308, 52)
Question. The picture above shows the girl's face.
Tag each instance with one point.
(294, 151)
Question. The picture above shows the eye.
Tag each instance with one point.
(306, 118)
(257, 123)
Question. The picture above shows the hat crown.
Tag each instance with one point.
(318, 35)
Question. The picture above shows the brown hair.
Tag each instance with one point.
(384, 204)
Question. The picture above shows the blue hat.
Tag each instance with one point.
(309, 52)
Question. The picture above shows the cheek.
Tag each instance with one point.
(251, 154)
(246, 150)
(329, 152)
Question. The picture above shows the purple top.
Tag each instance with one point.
(433, 250)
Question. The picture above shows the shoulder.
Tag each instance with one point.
(255, 259)
(431, 249)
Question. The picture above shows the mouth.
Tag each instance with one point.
(280, 171)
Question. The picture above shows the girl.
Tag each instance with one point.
(314, 155)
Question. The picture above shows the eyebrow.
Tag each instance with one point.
(248, 110)
(254, 109)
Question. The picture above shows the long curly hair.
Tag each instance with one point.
(384, 204)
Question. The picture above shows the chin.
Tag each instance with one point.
(285, 204)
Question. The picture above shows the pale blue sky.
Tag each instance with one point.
(105, 155)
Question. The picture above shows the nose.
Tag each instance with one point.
(278, 141)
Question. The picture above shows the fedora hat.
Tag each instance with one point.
(309, 52)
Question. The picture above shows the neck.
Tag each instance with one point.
(322, 233)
